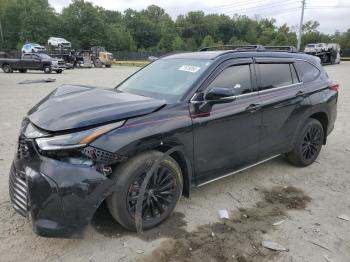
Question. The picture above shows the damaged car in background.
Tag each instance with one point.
(184, 119)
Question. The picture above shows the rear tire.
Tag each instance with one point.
(47, 69)
(308, 144)
(7, 69)
(163, 191)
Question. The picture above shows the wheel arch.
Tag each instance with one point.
(323, 118)
(317, 112)
(186, 168)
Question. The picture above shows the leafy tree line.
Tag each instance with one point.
(152, 29)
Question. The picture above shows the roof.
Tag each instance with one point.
(197, 55)
(212, 55)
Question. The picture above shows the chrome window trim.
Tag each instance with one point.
(192, 101)
(317, 66)
(279, 88)
(299, 59)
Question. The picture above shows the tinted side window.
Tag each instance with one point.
(235, 77)
(27, 56)
(306, 71)
(274, 75)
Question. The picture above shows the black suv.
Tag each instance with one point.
(182, 121)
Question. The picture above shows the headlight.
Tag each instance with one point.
(29, 131)
(75, 140)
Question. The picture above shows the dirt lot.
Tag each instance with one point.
(307, 199)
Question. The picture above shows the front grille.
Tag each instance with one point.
(18, 191)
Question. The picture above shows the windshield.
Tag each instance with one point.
(44, 56)
(311, 45)
(167, 79)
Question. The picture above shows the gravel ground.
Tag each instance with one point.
(307, 199)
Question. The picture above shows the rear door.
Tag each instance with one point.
(227, 138)
(281, 95)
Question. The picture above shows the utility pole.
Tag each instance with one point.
(301, 23)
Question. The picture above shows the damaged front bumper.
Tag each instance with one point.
(59, 198)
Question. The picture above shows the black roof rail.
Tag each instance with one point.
(234, 47)
(281, 48)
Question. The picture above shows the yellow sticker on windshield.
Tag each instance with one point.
(189, 68)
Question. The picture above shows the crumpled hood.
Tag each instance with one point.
(71, 107)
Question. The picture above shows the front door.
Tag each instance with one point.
(227, 138)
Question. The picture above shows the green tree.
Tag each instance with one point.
(25, 20)
(178, 44)
(167, 33)
(207, 41)
(83, 25)
(119, 39)
(86, 25)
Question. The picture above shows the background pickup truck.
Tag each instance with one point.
(31, 61)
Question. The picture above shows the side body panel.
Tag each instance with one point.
(166, 128)
(227, 138)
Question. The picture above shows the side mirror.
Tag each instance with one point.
(220, 95)
(216, 95)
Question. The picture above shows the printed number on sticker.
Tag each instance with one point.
(189, 68)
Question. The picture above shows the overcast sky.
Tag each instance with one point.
(332, 14)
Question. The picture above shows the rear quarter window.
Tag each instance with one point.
(306, 71)
(274, 75)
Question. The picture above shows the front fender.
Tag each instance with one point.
(169, 127)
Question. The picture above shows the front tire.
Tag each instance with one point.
(47, 69)
(308, 144)
(163, 190)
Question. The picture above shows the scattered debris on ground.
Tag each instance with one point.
(34, 81)
(274, 246)
(344, 217)
(223, 214)
(318, 244)
(239, 238)
(327, 258)
(278, 223)
(106, 225)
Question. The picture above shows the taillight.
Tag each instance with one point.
(334, 87)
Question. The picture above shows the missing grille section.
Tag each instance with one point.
(100, 156)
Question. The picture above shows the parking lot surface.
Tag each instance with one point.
(305, 201)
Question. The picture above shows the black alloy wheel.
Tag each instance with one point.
(312, 142)
(162, 191)
(159, 194)
(308, 144)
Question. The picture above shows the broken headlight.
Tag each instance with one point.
(74, 140)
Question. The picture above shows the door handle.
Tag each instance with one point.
(253, 108)
(300, 93)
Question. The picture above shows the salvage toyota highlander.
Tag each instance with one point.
(200, 116)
